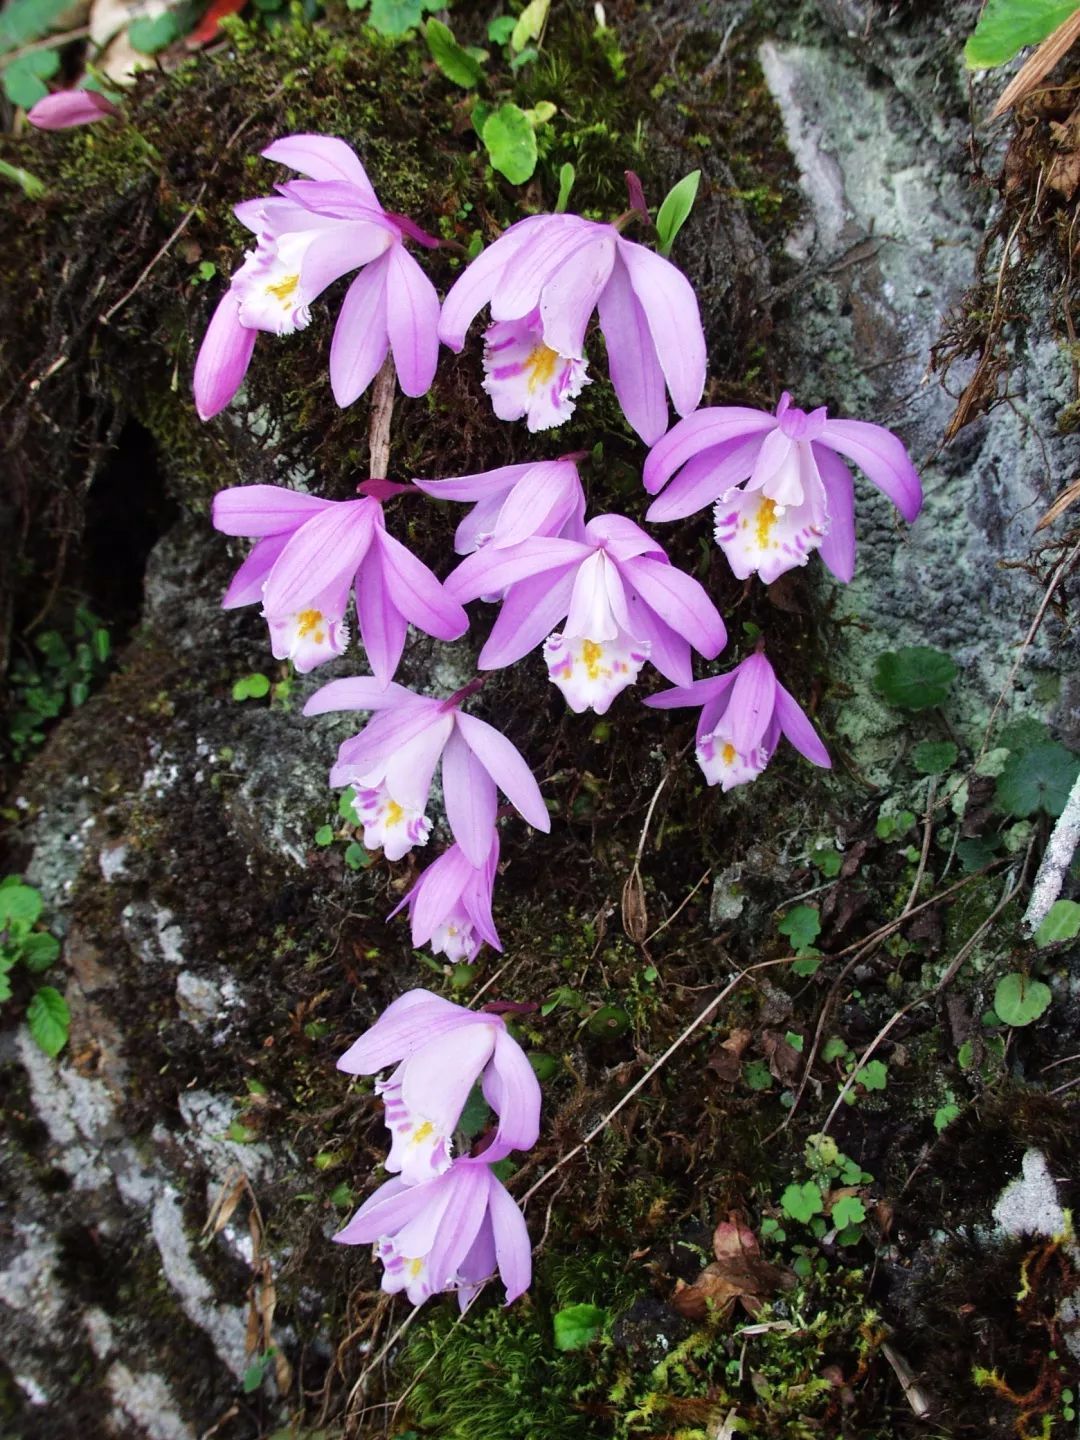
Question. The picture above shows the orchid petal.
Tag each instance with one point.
(669, 652)
(437, 1080)
(359, 692)
(470, 799)
(632, 364)
(529, 613)
(460, 1223)
(255, 510)
(520, 285)
(797, 727)
(539, 504)
(504, 763)
(411, 1021)
(698, 432)
(569, 297)
(382, 625)
(751, 705)
(417, 593)
(246, 586)
(838, 543)
(680, 601)
(66, 108)
(412, 322)
(412, 762)
(393, 1205)
(223, 359)
(320, 560)
(513, 1249)
(473, 289)
(323, 157)
(590, 615)
(700, 692)
(622, 539)
(706, 478)
(489, 571)
(881, 456)
(671, 309)
(481, 486)
(360, 341)
(513, 1092)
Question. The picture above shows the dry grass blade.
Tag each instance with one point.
(1064, 500)
(1039, 65)
(914, 1394)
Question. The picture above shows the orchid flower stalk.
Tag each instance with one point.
(392, 761)
(515, 503)
(307, 236)
(440, 1051)
(622, 600)
(743, 715)
(543, 277)
(309, 556)
(449, 1233)
(450, 905)
(780, 483)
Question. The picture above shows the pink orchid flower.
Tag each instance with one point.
(67, 108)
(623, 601)
(515, 502)
(440, 1050)
(308, 235)
(450, 905)
(743, 715)
(543, 278)
(450, 1233)
(780, 485)
(309, 555)
(392, 761)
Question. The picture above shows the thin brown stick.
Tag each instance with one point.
(928, 826)
(382, 412)
(679, 909)
(1039, 65)
(50, 42)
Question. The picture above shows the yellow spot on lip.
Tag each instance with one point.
(394, 813)
(284, 289)
(727, 754)
(591, 655)
(766, 519)
(415, 1267)
(540, 366)
(307, 621)
(422, 1132)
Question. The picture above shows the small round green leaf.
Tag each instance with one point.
(453, 60)
(802, 1202)
(511, 143)
(48, 1018)
(1019, 1000)
(1062, 923)
(578, 1326)
(149, 36)
(934, 757)
(1037, 779)
(20, 906)
(1007, 26)
(39, 951)
(802, 926)
(24, 78)
(915, 678)
(848, 1210)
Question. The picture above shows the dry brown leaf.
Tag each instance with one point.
(1039, 64)
(785, 1062)
(221, 1212)
(635, 917)
(1061, 504)
(726, 1061)
(737, 1274)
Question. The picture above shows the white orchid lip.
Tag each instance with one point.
(390, 826)
(591, 673)
(526, 378)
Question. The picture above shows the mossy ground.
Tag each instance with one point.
(634, 1214)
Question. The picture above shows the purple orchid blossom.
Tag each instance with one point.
(450, 905)
(66, 108)
(392, 761)
(743, 715)
(781, 486)
(308, 556)
(440, 1050)
(515, 503)
(543, 278)
(309, 235)
(623, 600)
(450, 1233)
